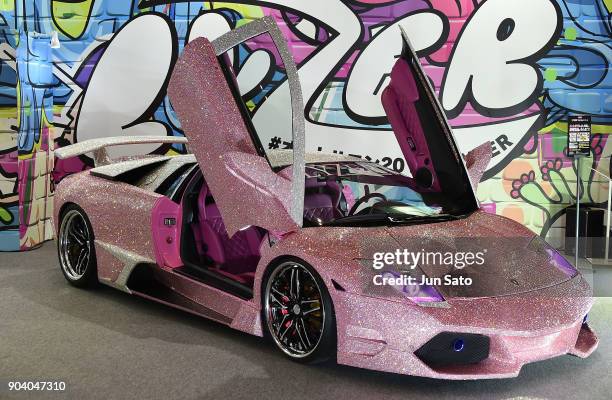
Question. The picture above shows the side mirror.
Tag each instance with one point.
(477, 162)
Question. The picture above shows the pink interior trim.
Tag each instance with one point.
(399, 100)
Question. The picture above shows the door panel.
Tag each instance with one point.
(423, 132)
(210, 98)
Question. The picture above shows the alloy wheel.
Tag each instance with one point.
(294, 309)
(75, 245)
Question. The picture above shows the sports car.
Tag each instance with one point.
(268, 234)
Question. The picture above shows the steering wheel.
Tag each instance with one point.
(364, 200)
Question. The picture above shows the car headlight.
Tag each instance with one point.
(415, 292)
(412, 289)
(539, 245)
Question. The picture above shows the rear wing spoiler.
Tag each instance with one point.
(98, 146)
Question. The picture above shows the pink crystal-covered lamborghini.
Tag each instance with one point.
(257, 231)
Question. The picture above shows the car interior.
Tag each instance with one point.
(323, 201)
(207, 250)
(230, 263)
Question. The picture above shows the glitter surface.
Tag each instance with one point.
(120, 214)
(374, 331)
(245, 188)
(153, 180)
(439, 111)
(284, 158)
(98, 146)
(477, 162)
(113, 170)
(382, 333)
(128, 262)
(245, 32)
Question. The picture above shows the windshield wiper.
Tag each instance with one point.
(397, 218)
(364, 219)
(391, 219)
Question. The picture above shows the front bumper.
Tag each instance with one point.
(386, 335)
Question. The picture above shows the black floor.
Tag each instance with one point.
(107, 345)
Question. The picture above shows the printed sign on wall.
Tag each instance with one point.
(579, 136)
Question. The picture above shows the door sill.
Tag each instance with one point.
(218, 281)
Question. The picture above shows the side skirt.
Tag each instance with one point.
(210, 278)
(143, 283)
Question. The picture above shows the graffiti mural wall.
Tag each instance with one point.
(508, 72)
(26, 144)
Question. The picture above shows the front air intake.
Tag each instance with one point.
(452, 348)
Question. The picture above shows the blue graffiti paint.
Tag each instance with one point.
(580, 61)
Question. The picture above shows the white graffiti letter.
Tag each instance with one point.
(210, 25)
(492, 64)
(370, 74)
(127, 82)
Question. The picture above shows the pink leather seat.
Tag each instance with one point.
(207, 240)
(322, 200)
(234, 257)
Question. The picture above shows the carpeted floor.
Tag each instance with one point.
(107, 345)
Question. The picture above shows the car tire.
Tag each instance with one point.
(298, 316)
(75, 248)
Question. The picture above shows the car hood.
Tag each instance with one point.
(511, 265)
(503, 260)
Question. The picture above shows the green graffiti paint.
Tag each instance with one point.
(571, 33)
(71, 17)
(550, 74)
(5, 216)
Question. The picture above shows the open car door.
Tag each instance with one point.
(424, 134)
(216, 89)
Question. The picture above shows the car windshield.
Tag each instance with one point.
(362, 192)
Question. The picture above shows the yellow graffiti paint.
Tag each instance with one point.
(608, 4)
(71, 18)
(247, 11)
(5, 215)
(8, 112)
(44, 124)
(172, 152)
(7, 5)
